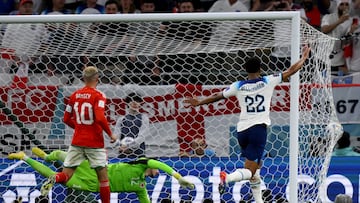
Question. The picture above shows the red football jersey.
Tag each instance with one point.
(85, 112)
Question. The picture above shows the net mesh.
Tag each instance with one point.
(163, 62)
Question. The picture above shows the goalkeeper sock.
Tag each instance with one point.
(239, 175)
(105, 191)
(61, 177)
(255, 187)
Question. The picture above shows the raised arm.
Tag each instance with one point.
(207, 100)
(152, 163)
(296, 66)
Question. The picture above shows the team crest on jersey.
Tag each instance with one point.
(142, 185)
(226, 89)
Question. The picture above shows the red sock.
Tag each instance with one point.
(61, 177)
(105, 191)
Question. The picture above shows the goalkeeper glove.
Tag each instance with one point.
(185, 184)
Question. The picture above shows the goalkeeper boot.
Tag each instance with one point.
(48, 184)
(18, 155)
(222, 182)
(39, 152)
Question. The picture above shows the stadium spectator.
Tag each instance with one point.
(111, 7)
(25, 8)
(55, 7)
(199, 148)
(330, 6)
(110, 28)
(343, 146)
(133, 128)
(186, 6)
(147, 6)
(353, 59)
(337, 25)
(90, 7)
(128, 6)
(124, 177)
(85, 113)
(313, 14)
(254, 119)
(343, 198)
(230, 6)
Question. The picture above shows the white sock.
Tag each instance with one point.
(239, 175)
(255, 187)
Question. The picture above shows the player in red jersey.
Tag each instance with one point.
(85, 113)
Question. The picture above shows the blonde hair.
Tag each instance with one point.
(89, 73)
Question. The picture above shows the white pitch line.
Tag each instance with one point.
(8, 169)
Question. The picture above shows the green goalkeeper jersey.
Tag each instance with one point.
(123, 177)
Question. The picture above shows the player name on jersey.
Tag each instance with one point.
(82, 96)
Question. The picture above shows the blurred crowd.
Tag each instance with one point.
(336, 18)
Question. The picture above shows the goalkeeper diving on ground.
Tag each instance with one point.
(123, 177)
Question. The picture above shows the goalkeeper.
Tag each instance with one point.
(123, 177)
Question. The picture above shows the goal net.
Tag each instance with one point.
(163, 59)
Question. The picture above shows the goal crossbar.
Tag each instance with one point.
(90, 18)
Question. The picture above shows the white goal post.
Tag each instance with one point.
(217, 43)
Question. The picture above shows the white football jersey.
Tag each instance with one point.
(254, 98)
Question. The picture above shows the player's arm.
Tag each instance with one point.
(296, 66)
(68, 119)
(117, 127)
(167, 169)
(144, 131)
(99, 111)
(143, 196)
(207, 100)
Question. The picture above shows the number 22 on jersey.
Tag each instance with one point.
(255, 103)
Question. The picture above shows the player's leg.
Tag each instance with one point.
(241, 173)
(39, 167)
(256, 151)
(56, 155)
(252, 142)
(255, 185)
(73, 159)
(98, 160)
(238, 174)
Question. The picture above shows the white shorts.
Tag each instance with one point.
(97, 157)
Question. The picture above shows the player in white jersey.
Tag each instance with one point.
(254, 96)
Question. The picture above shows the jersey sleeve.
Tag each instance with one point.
(143, 196)
(160, 165)
(231, 90)
(99, 111)
(68, 119)
(274, 79)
